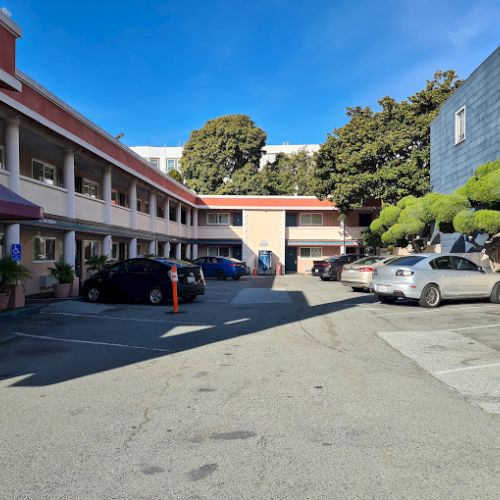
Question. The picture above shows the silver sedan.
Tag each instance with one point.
(431, 278)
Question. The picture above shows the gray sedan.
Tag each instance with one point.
(431, 278)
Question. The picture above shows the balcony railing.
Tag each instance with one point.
(51, 198)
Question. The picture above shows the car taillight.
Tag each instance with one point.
(404, 272)
(366, 269)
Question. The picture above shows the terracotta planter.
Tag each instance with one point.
(4, 301)
(16, 297)
(61, 290)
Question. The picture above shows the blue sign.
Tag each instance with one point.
(15, 252)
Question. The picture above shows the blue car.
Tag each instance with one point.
(221, 267)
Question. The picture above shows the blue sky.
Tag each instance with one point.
(158, 69)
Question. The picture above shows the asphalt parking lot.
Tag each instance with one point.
(283, 387)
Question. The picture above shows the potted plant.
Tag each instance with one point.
(65, 275)
(97, 263)
(12, 275)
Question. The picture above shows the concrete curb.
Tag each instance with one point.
(23, 311)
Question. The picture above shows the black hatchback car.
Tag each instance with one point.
(144, 279)
(331, 268)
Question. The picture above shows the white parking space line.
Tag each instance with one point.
(119, 318)
(77, 341)
(213, 300)
(474, 309)
(181, 330)
(235, 321)
(468, 366)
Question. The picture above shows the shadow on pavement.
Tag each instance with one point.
(49, 360)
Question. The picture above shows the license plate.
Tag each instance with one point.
(352, 271)
(191, 279)
(383, 288)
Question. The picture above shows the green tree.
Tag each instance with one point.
(214, 153)
(382, 154)
(245, 181)
(175, 174)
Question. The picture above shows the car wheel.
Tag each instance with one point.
(189, 298)
(325, 278)
(236, 278)
(357, 288)
(387, 300)
(431, 296)
(495, 294)
(92, 294)
(155, 296)
(221, 275)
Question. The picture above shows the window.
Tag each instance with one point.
(183, 216)
(219, 251)
(2, 161)
(311, 219)
(90, 249)
(114, 197)
(90, 188)
(44, 249)
(409, 261)
(365, 219)
(43, 172)
(310, 252)
(460, 125)
(172, 213)
(218, 219)
(1, 247)
(155, 162)
(115, 249)
(442, 263)
(123, 200)
(160, 212)
(171, 164)
(461, 264)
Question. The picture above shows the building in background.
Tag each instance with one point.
(466, 132)
(167, 158)
(80, 192)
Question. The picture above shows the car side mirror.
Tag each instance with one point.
(481, 269)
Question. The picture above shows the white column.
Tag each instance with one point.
(194, 251)
(152, 211)
(107, 246)
(106, 193)
(188, 251)
(166, 249)
(178, 250)
(342, 232)
(69, 181)
(195, 223)
(179, 210)
(152, 247)
(190, 229)
(12, 152)
(69, 247)
(132, 197)
(12, 163)
(12, 236)
(132, 248)
(166, 209)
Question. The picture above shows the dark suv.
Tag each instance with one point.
(331, 268)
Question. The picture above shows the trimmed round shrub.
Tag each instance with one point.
(389, 215)
(484, 190)
(413, 211)
(487, 221)
(376, 226)
(398, 231)
(464, 223)
(413, 227)
(448, 205)
(407, 201)
(461, 191)
(429, 204)
(491, 166)
(388, 237)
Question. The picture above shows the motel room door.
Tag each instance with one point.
(290, 259)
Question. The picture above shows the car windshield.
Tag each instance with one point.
(368, 260)
(174, 262)
(408, 261)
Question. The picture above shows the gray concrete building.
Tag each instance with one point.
(466, 132)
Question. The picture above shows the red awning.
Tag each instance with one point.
(15, 207)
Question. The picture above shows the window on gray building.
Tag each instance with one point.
(460, 125)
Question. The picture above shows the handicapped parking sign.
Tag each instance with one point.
(15, 252)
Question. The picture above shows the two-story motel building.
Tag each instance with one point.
(99, 197)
